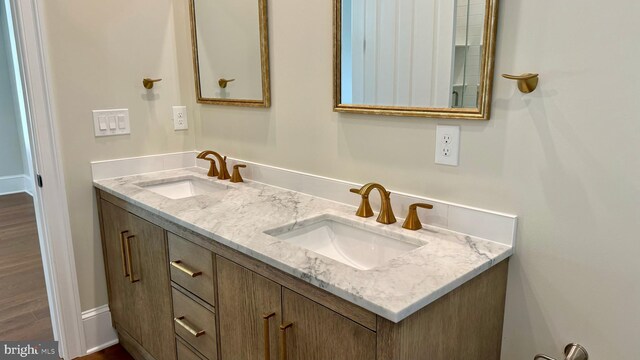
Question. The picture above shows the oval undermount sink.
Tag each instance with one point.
(183, 187)
(359, 248)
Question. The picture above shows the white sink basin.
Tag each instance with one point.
(353, 246)
(183, 188)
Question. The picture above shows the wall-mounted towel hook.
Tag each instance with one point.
(148, 83)
(223, 82)
(571, 352)
(526, 82)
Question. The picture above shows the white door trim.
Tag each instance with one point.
(51, 200)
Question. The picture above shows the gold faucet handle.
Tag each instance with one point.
(364, 210)
(236, 177)
(412, 222)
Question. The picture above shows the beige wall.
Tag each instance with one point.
(565, 158)
(98, 53)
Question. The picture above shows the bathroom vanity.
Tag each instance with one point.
(202, 269)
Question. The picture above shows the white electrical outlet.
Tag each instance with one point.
(448, 145)
(180, 118)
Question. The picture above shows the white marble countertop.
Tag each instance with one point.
(239, 217)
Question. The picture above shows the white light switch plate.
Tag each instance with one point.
(111, 122)
(180, 118)
(448, 145)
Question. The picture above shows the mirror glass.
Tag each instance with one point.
(230, 51)
(415, 57)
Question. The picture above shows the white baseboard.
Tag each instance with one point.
(15, 184)
(29, 185)
(98, 332)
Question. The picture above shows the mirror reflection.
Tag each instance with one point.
(230, 52)
(412, 54)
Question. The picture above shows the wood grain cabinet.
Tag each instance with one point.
(249, 307)
(317, 333)
(218, 304)
(138, 278)
(260, 319)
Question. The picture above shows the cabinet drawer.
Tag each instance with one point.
(195, 324)
(192, 267)
(184, 353)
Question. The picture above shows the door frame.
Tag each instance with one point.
(52, 211)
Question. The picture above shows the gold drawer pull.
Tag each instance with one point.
(267, 343)
(283, 340)
(127, 241)
(180, 266)
(180, 321)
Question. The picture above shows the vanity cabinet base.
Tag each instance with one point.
(464, 324)
(301, 320)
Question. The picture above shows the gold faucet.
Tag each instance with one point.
(224, 173)
(386, 212)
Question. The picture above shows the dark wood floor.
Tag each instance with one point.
(24, 308)
(115, 352)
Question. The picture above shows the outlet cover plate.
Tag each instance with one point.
(180, 118)
(448, 145)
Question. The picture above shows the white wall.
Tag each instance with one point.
(12, 157)
(564, 158)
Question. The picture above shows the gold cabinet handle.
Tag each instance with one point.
(180, 266)
(267, 337)
(283, 340)
(526, 82)
(127, 241)
(123, 253)
(181, 321)
(412, 222)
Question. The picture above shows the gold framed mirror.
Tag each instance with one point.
(231, 70)
(427, 58)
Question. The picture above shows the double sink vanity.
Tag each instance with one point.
(200, 267)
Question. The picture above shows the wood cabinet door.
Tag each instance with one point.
(151, 271)
(123, 294)
(244, 297)
(318, 333)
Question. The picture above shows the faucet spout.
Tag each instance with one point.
(213, 170)
(224, 172)
(386, 212)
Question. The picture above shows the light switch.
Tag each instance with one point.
(111, 122)
(103, 123)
